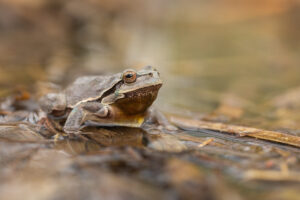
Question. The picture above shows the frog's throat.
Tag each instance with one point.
(137, 101)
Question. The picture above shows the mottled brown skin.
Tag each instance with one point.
(115, 100)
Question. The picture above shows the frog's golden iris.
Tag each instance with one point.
(129, 76)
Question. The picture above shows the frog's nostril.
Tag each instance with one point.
(148, 67)
(155, 74)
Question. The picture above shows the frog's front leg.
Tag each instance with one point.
(77, 116)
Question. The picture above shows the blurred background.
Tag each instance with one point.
(233, 61)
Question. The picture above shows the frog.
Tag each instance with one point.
(121, 99)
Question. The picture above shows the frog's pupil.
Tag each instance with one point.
(128, 75)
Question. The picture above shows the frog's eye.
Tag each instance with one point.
(129, 76)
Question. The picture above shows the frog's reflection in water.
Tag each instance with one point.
(93, 139)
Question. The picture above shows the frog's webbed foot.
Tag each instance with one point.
(161, 119)
(52, 128)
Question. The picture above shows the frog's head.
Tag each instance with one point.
(137, 90)
(146, 80)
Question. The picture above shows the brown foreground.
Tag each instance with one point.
(200, 161)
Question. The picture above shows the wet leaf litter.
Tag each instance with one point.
(151, 156)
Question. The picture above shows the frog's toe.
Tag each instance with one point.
(72, 131)
(103, 112)
(58, 137)
(170, 127)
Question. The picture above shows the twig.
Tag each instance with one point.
(273, 136)
(272, 175)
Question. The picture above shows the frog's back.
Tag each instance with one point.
(88, 88)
